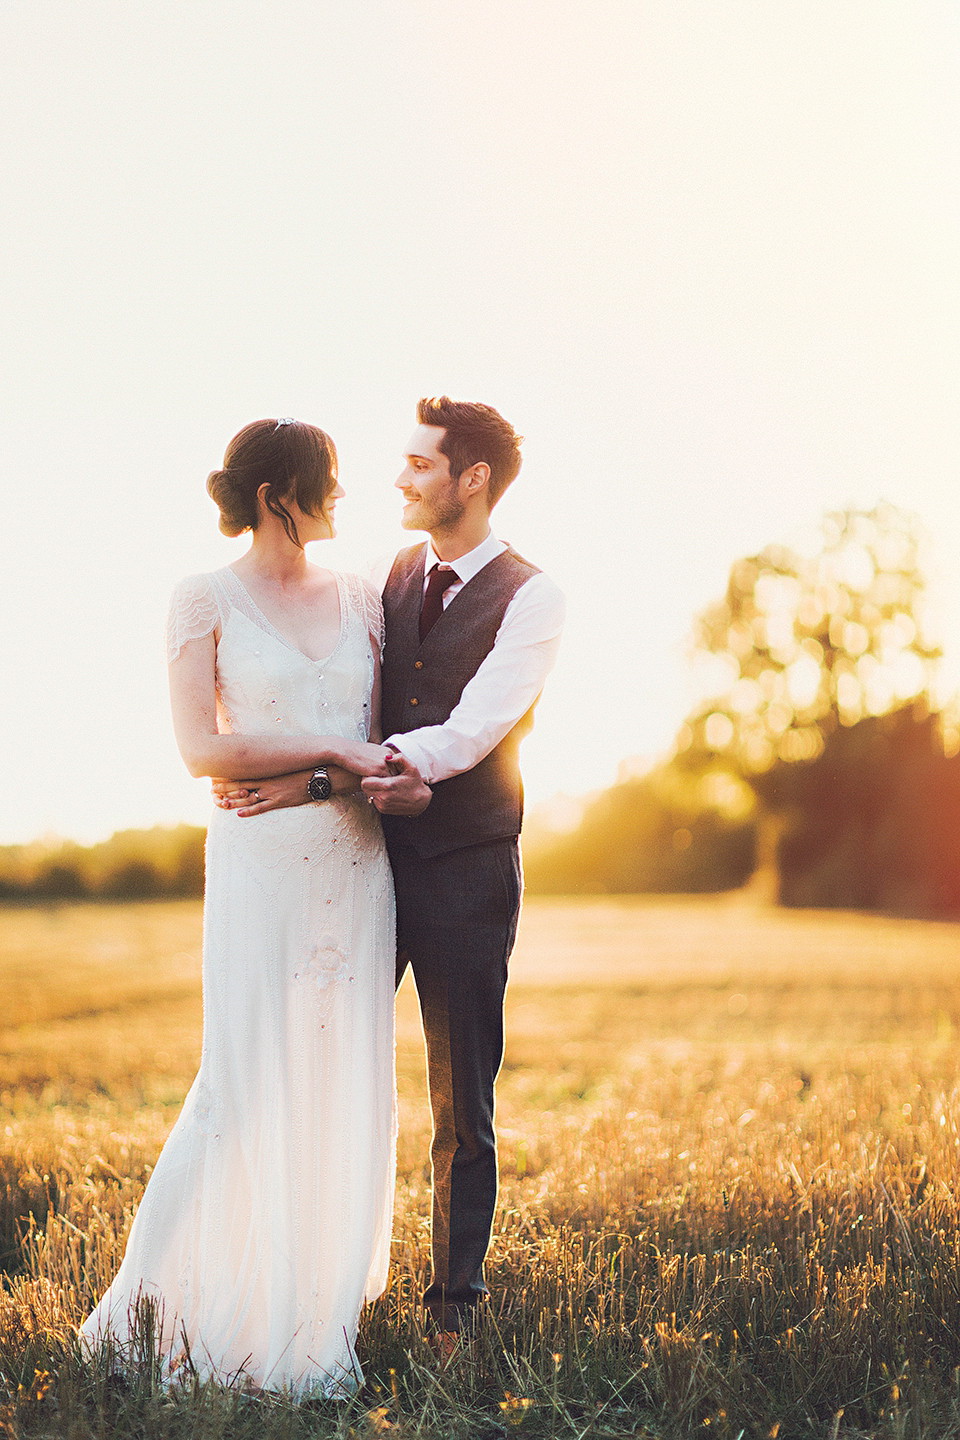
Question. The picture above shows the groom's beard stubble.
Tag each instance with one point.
(443, 512)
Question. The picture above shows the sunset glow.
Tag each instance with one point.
(704, 258)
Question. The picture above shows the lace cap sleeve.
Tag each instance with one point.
(367, 603)
(193, 613)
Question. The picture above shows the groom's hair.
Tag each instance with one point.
(474, 433)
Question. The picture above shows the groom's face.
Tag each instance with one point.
(432, 499)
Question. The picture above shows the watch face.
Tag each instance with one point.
(319, 786)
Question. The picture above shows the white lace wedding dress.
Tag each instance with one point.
(266, 1223)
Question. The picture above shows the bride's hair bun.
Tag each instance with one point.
(297, 461)
(232, 499)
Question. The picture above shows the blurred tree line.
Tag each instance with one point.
(131, 865)
(819, 764)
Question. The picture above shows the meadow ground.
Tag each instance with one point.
(730, 1148)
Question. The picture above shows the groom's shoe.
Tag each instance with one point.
(445, 1344)
(452, 1330)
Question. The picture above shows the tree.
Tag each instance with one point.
(663, 832)
(874, 822)
(819, 676)
(132, 880)
(802, 644)
(59, 880)
(187, 877)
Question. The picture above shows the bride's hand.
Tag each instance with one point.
(404, 792)
(280, 792)
(362, 758)
(256, 797)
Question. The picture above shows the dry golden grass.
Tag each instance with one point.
(730, 1153)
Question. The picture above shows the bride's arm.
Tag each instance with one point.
(251, 796)
(206, 751)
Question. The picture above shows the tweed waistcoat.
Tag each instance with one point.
(422, 683)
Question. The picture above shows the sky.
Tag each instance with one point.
(703, 255)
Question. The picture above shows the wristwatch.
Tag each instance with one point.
(319, 786)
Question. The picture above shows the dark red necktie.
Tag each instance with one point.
(439, 580)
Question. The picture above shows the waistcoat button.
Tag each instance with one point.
(418, 664)
(414, 701)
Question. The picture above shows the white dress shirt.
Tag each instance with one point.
(508, 681)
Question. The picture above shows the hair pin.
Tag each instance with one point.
(287, 420)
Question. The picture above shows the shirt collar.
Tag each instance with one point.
(473, 562)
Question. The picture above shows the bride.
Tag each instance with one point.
(266, 1223)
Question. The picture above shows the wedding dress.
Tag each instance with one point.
(266, 1222)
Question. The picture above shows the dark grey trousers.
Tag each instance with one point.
(456, 924)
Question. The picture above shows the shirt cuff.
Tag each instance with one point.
(413, 752)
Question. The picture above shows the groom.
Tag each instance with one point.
(472, 631)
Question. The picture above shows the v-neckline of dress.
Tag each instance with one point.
(279, 635)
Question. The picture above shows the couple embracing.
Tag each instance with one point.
(266, 1223)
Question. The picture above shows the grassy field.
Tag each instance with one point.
(730, 1153)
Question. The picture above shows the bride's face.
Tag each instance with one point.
(315, 527)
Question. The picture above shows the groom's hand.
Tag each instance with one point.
(256, 797)
(402, 792)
